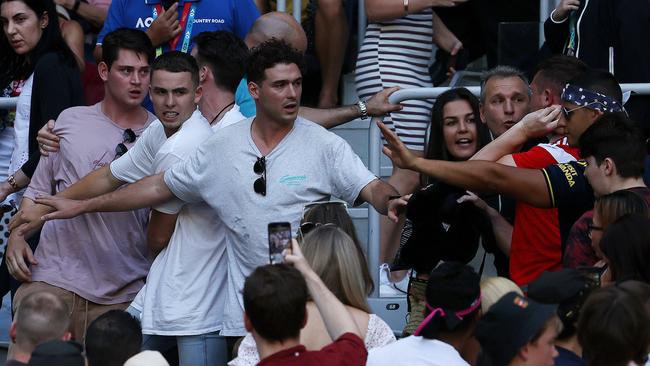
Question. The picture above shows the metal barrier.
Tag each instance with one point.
(297, 8)
(8, 103)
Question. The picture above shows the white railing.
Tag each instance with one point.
(297, 8)
(8, 103)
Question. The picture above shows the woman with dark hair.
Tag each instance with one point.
(35, 59)
(626, 248)
(444, 222)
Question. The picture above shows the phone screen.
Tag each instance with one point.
(279, 240)
(168, 3)
(592, 274)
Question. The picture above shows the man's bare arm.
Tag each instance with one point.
(527, 185)
(378, 193)
(377, 105)
(94, 184)
(534, 125)
(150, 191)
(159, 231)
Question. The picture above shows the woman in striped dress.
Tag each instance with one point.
(396, 52)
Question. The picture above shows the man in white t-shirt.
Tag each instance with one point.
(261, 170)
(182, 302)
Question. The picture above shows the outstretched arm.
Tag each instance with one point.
(150, 191)
(378, 105)
(527, 185)
(94, 184)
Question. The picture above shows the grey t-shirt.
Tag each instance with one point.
(310, 164)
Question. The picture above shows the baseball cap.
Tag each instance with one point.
(509, 324)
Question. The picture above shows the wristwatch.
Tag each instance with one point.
(363, 109)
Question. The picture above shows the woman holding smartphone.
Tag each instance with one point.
(342, 266)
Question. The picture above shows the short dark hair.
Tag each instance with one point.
(126, 39)
(269, 54)
(225, 54)
(626, 245)
(615, 136)
(176, 61)
(613, 328)
(599, 81)
(113, 338)
(275, 298)
(556, 71)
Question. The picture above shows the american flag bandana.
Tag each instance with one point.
(590, 99)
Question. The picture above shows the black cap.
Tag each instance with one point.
(557, 287)
(509, 324)
(57, 353)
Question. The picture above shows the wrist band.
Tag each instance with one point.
(12, 182)
(363, 109)
(406, 7)
(76, 5)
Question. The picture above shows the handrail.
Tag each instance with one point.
(297, 8)
(8, 102)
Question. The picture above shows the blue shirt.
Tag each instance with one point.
(244, 100)
(568, 358)
(236, 16)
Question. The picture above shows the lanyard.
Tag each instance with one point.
(571, 45)
(186, 23)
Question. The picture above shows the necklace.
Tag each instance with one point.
(221, 111)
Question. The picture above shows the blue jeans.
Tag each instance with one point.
(207, 349)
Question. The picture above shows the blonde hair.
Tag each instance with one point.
(340, 263)
(493, 288)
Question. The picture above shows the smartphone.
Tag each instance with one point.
(592, 274)
(168, 3)
(279, 240)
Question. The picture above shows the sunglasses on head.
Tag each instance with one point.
(307, 226)
(259, 186)
(127, 137)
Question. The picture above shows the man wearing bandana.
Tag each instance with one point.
(564, 186)
(535, 243)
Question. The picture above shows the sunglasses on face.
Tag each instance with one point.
(127, 137)
(259, 186)
(592, 228)
(567, 112)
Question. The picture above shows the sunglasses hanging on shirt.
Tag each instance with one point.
(127, 137)
(259, 186)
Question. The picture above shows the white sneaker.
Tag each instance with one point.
(391, 289)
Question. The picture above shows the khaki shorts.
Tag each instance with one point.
(81, 311)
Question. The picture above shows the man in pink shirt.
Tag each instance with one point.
(95, 262)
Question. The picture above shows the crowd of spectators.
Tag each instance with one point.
(152, 142)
